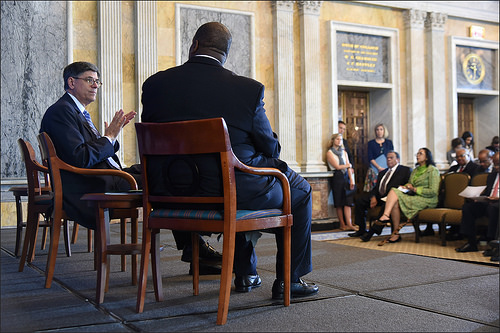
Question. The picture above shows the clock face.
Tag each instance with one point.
(473, 68)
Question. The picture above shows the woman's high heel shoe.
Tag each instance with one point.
(395, 241)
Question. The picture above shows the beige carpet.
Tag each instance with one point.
(429, 246)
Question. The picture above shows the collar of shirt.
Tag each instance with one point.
(207, 56)
(77, 102)
(394, 167)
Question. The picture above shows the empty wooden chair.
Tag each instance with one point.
(192, 138)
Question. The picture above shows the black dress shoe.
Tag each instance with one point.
(206, 269)
(378, 226)
(358, 233)
(208, 254)
(427, 232)
(366, 237)
(467, 247)
(244, 284)
(298, 289)
(488, 252)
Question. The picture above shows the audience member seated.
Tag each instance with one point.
(485, 161)
(394, 176)
(469, 144)
(464, 163)
(419, 193)
(452, 154)
(495, 145)
(472, 209)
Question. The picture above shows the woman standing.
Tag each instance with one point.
(377, 155)
(421, 192)
(342, 183)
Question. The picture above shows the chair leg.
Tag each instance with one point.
(89, 240)
(442, 231)
(28, 241)
(67, 245)
(101, 242)
(20, 224)
(134, 239)
(123, 240)
(143, 272)
(155, 260)
(54, 244)
(44, 238)
(195, 262)
(226, 275)
(287, 264)
(74, 237)
(33, 236)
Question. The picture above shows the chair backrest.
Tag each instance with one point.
(186, 140)
(49, 156)
(479, 179)
(455, 183)
(33, 168)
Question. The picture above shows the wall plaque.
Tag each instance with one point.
(362, 57)
(475, 68)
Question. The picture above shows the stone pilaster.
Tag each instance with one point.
(312, 152)
(437, 138)
(146, 47)
(110, 63)
(415, 82)
(284, 80)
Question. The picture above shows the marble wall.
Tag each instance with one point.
(239, 24)
(33, 55)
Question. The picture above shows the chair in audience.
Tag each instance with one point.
(39, 204)
(55, 166)
(451, 210)
(479, 179)
(192, 138)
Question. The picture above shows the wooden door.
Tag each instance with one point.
(354, 107)
(465, 115)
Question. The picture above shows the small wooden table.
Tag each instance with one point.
(103, 202)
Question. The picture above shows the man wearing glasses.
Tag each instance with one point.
(79, 143)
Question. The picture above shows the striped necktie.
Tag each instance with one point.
(111, 161)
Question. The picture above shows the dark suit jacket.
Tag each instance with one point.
(471, 168)
(76, 144)
(201, 88)
(490, 182)
(348, 151)
(400, 177)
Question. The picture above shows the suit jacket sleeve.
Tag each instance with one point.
(263, 137)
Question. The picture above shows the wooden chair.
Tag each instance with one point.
(39, 204)
(479, 179)
(451, 210)
(55, 165)
(208, 136)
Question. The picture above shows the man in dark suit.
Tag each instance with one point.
(464, 164)
(79, 143)
(203, 88)
(473, 209)
(395, 175)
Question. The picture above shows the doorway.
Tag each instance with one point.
(465, 115)
(353, 110)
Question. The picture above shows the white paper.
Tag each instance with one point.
(403, 189)
(472, 192)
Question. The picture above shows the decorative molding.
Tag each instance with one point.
(414, 19)
(436, 21)
(284, 88)
(282, 5)
(110, 63)
(146, 46)
(309, 7)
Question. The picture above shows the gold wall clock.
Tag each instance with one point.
(473, 68)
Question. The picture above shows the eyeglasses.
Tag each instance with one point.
(91, 81)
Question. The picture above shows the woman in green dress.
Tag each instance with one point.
(421, 192)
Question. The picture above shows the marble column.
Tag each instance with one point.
(437, 138)
(312, 146)
(146, 48)
(284, 88)
(110, 63)
(415, 82)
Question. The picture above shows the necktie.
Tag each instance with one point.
(96, 132)
(384, 182)
(495, 189)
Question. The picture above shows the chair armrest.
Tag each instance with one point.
(100, 172)
(269, 172)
